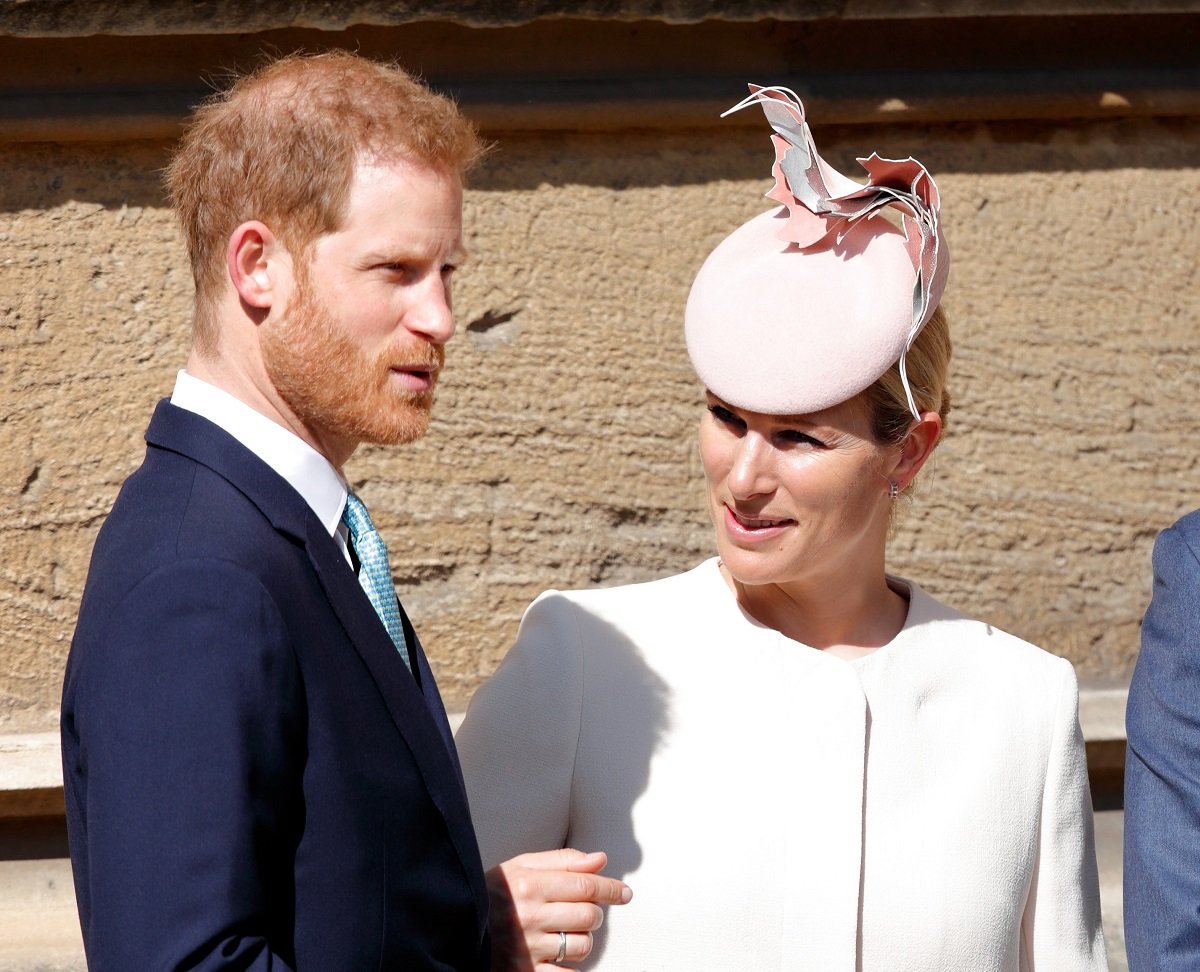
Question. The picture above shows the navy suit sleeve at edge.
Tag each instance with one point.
(1162, 775)
(186, 715)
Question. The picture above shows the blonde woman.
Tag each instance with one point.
(797, 759)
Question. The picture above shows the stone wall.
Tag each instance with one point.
(562, 451)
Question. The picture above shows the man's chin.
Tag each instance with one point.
(394, 437)
(405, 425)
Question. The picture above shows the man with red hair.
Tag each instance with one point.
(259, 770)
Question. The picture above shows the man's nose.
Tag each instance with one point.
(432, 314)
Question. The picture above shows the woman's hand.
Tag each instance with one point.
(535, 897)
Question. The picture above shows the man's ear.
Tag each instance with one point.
(252, 260)
(916, 448)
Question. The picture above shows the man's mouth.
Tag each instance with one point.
(416, 378)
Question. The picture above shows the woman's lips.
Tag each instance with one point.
(757, 527)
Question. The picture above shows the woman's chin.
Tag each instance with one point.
(752, 568)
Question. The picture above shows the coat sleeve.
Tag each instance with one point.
(182, 710)
(518, 740)
(1061, 929)
(1162, 770)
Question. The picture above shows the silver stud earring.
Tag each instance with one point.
(893, 489)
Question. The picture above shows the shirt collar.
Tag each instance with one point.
(307, 471)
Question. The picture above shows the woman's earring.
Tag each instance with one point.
(893, 489)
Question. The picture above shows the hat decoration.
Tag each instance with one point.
(849, 254)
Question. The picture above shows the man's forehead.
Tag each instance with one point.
(400, 209)
(376, 163)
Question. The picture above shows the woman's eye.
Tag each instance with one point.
(724, 416)
(796, 437)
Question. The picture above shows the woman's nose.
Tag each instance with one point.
(750, 471)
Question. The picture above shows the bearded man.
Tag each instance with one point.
(259, 773)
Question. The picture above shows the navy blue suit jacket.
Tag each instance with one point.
(253, 779)
(1162, 767)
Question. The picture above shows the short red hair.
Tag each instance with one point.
(281, 145)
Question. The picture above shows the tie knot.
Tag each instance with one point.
(356, 517)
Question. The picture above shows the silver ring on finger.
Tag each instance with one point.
(562, 948)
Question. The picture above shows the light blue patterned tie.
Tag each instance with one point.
(374, 572)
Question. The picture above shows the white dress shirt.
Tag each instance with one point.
(307, 471)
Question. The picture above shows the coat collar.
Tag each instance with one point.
(188, 434)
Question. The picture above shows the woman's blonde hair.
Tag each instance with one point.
(927, 365)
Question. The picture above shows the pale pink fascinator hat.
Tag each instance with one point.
(805, 306)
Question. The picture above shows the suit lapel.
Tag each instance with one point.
(429, 689)
(416, 710)
(418, 714)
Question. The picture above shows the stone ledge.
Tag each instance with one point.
(150, 113)
(1102, 713)
(31, 780)
(82, 18)
(569, 74)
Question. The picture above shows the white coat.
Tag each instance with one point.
(776, 808)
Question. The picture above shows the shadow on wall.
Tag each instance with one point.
(45, 176)
(699, 156)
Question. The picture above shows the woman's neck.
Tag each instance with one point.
(847, 620)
